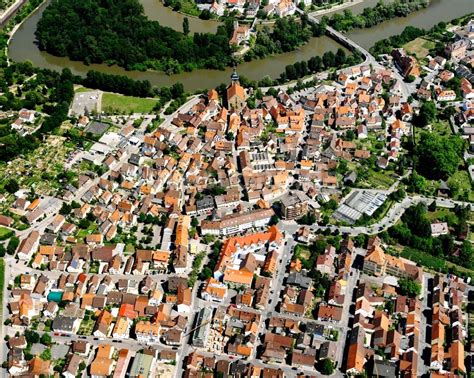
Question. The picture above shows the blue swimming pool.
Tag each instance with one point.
(55, 296)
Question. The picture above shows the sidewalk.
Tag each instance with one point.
(10, 11)
(346, 4)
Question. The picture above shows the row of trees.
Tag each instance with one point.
(317, 64)
(373, 16)
(118, 84)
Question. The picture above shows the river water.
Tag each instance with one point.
(23, 48)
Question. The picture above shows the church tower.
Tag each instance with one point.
(236, 94)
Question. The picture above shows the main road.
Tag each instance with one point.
(392, 217)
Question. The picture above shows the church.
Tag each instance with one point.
(236, 94)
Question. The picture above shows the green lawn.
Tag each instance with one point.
(114, 103)
(441, 213)
(302, 252)
(441, 127)
(460, 184)
(5, 233)
(86, 327)
(90, 230)
(189, 7)
(83, 89)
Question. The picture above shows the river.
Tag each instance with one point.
(23, 48)
(437, 11)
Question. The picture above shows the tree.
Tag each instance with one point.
(31, 337)
(46, 339)
(326, 366)
(329, 59)
(398, 195)
(416, 183)
(85, 223)
(206, 273)
(12, 186)
(330, 205)
(194, 222)
(65, 209)
(466, 254)
(340, 58)
(274, 219)
(290, 72)
(122, 33)
(438, 157)
(315, 64)
(82, 366)
(426, 115)
(186, 26)
(409, 287)
(416, 220)
(13, 245)
(46, 355)
(349, 135)
(177, 90)
(342, 167)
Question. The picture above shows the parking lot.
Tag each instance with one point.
(85, 101)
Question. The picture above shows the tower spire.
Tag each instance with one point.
(234, 77)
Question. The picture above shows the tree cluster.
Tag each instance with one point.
(375, 15)
(118, 32)
(53, 90)
(410, 33)
(286, 35)
(385, 46)
(438, 157)
(409, 287)
(415, 232)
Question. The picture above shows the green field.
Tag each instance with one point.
(380, 179)
(114, 103)
(419, 47)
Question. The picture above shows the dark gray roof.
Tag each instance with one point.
(299, 280)
(63, 323)
(384, 368)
